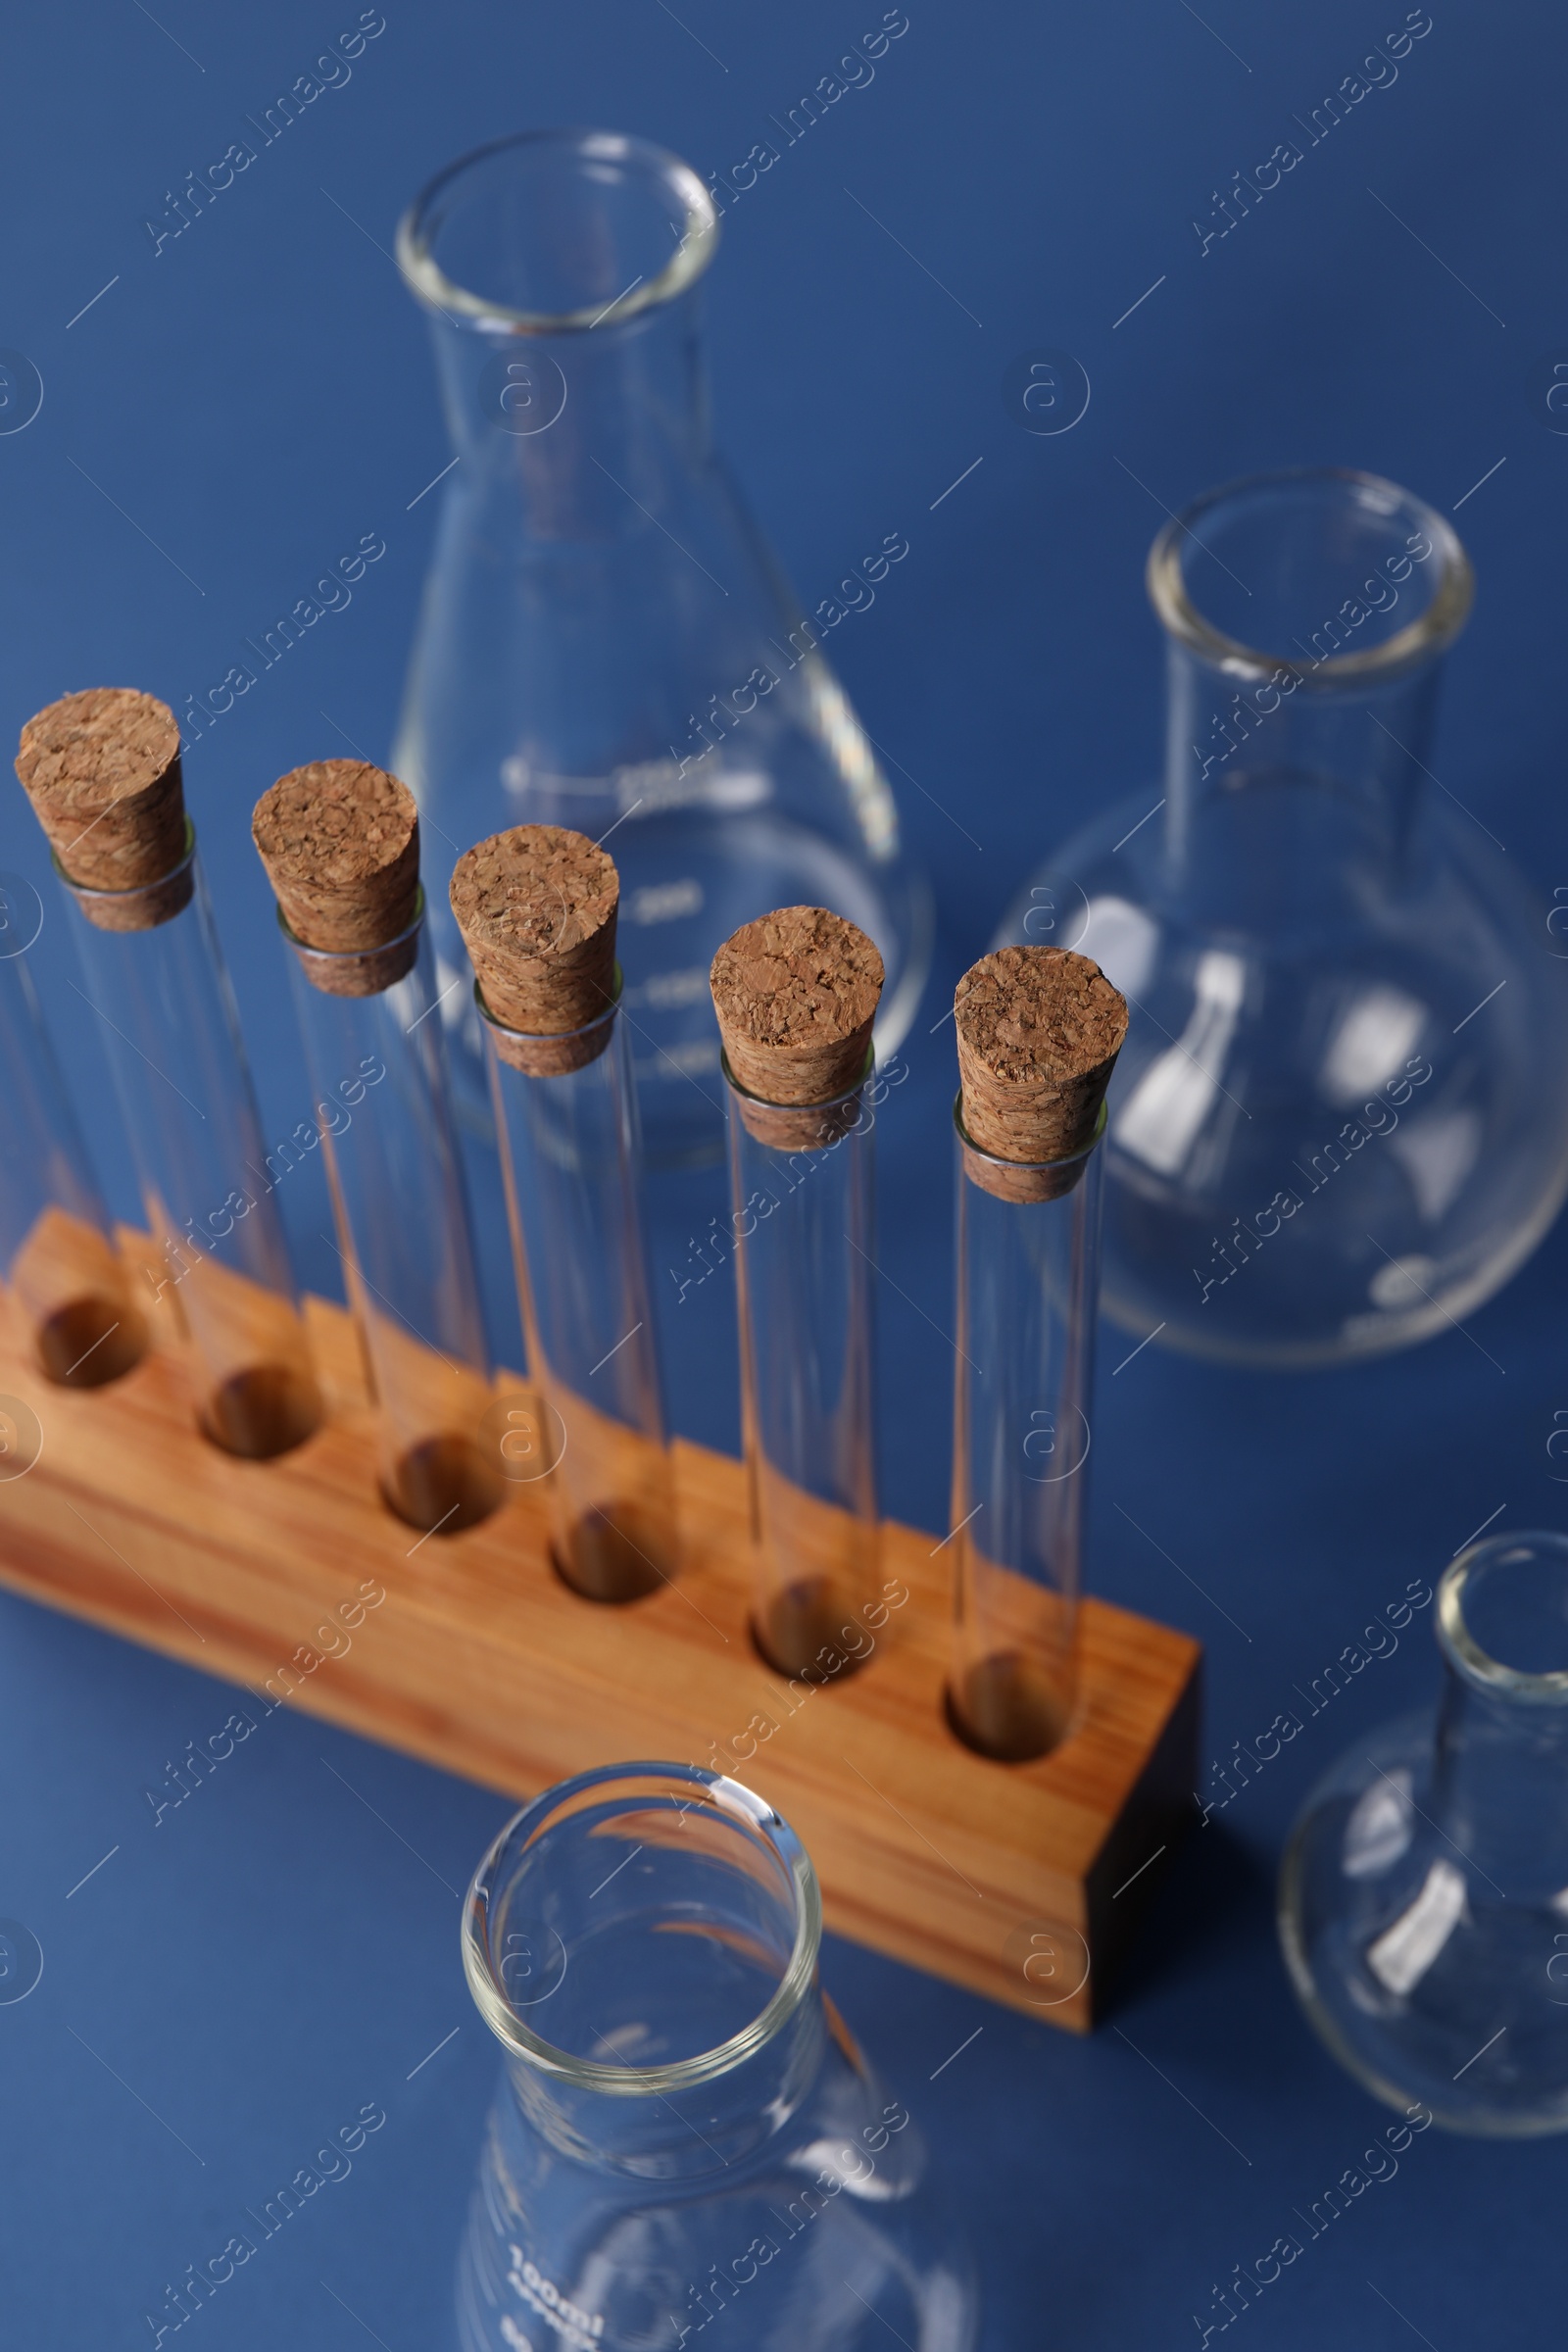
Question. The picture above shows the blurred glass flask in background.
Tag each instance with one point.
(1340, 1121)
(606, 642)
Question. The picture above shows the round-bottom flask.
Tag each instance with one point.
(685, 2136)
(1424, 1893)
(1339, 1120)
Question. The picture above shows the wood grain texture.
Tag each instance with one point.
(1008, 1879)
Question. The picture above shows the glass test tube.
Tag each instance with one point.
(369, 1023)
(801, 1185)
(170, 1028)
(1028, 1290)
(57, 1252)
(570, 1151)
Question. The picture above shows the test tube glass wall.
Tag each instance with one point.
(170, 1029)
(570, 1151)
(1028, 1282)
(57, 1254)
(800, 1186)
(374, 1043)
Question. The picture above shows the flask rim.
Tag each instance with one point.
(463, 306)
(1409, 648)
(521, 2041)
(1459, 1646)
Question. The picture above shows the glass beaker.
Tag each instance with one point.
(1339, 1120)
(606, 642)
(1424, 1893)
(684, 2131)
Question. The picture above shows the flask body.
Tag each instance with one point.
(1340, 1119)
(604, 640)
(1419, 1895)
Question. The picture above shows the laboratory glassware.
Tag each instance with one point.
(1424, 1893)
(57, 1251)
(685, 2132)
(1340, 1120)
(604, 640)
(377, 1055)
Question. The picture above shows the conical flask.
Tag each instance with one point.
(605, 641)
(1339, 1120)
(685, 2136)
(1424, 1893)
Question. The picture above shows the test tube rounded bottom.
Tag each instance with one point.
(90, 1339)
(261, 1410)
(444, 1484)
(1005, 1707)
(615, 1551)
(72, 1291)
(796, 1623)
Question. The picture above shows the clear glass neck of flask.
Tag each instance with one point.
(557, 271)
(1502, 1786)
(1306, 614)
(643, 1942)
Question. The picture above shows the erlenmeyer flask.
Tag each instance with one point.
(685, 2136)
(605, 643)
(1339, 1120)
(1423, 1895)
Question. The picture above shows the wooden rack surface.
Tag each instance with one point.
(1022, 1881)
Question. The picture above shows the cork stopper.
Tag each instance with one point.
(340, 842)
(537, 909)
(795, 994)
(1039, 1032)
(102, 771)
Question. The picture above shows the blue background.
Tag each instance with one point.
(231, 415)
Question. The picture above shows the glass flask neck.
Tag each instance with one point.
(559, 272)
(1307, 615)
(661, 1923)
(1500, 1789)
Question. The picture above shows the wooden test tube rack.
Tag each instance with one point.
(1022, 1881)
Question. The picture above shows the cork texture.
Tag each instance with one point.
(102, 771)
(1039, 1031)
(795, 994)
(340, 842)
(537, 907)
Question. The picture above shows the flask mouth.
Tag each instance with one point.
(1318, 577)
(638, 1907)
(557, 232)
(1502, 1617)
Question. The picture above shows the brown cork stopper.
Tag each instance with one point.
(102, 771)
(340, 842)
(537, 909)
(795, 994)
(1039, 1032)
